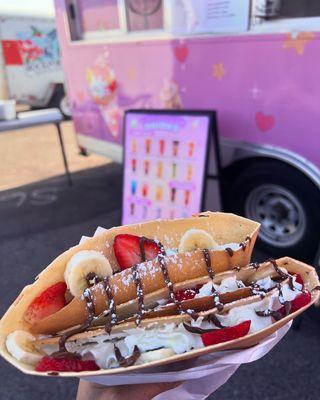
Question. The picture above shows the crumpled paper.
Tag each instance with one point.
(200, 376)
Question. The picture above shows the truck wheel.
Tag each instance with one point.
(284, 201)
(59, 100)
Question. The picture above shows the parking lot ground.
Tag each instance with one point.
(33, 154)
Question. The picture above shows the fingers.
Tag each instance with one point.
(92, 391)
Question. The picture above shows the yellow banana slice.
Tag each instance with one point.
(20, 345)
(194, 239)
(80, 265)
(154, 355)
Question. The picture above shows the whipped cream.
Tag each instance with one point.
(168, 336)
(173, 337)
(266, 283)
(229, 284)
(248, 312)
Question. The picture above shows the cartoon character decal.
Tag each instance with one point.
(103, 88)
(170, 95)
(39, 49)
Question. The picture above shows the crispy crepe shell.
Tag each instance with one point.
(311, 283)
(225, 228)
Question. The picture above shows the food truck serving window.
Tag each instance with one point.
(144, 14)
(127, 20)
(93, 18)
(276, 9)
(105, 19)
(130, 19)
(284, 15)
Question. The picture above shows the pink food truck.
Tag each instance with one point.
(255, 62)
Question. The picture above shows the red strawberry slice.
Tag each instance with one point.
(226, 334)
(48, 363)
(187, 294)
(47, 303)
(299, 280)
(127, 250)
(300, 301)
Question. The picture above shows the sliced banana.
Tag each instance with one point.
(20, 345)
(154, 355)
(194, 239)
(80, 265)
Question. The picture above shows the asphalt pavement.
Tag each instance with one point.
(39, 221)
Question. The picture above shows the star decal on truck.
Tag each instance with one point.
(218, 71)
(298, 41)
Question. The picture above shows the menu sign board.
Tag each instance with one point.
(209, 16)
(165, 157)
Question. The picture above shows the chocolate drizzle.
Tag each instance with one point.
(112, 305)
(255, 265)
(169, 284)
(229, 251)
(142, 241)
(127, 361)
(240, 284)
(258, 290)
(141, 306)
(216, 301)
(207, 260)
(92, 279)
(291, 284)
(137, 280)
(282, 274)
(244, 244)
(286, 304)
(214, 320)
(269, 313)
(196, 329)
(215, 294)
(63, 352)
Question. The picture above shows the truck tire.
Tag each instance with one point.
(284, 201)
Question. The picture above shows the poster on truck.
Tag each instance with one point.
(31, 57)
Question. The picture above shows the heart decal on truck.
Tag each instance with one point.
(264, 122)
(181, 53)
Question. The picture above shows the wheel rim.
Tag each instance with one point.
(280, 212)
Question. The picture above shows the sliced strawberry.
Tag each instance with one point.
(48, 302)
(127, 250)
(48, 363)
(300, 301)
(187, 294)
(226, 334)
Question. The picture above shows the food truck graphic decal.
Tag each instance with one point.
(30, 61)
(265, 88)
(34, 48)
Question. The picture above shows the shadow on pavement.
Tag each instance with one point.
(52, 204)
